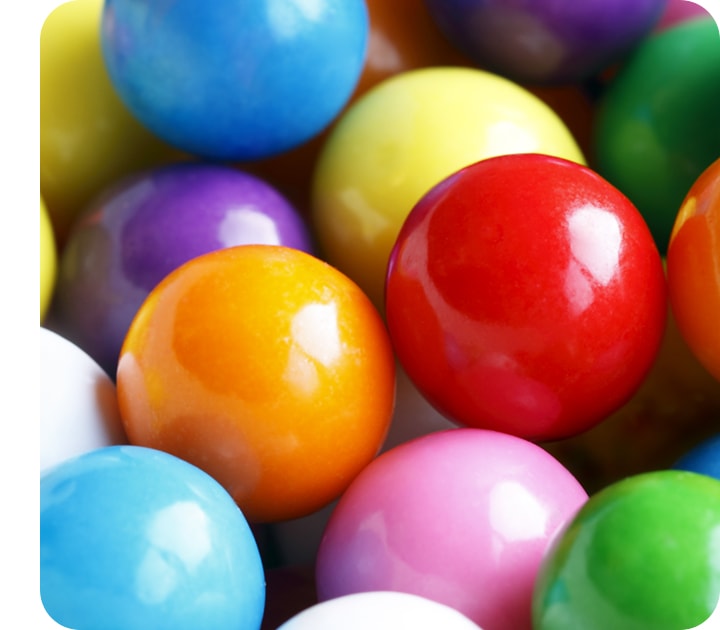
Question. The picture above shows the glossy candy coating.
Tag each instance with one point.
(546, 41)
(641, 554)
(235, 80)
(703, 458)
(267, 368)
(656, 128)
(525, 294)
(145, 226)
(692, 265)
(48, 260)
(135, 538)
(403, 137)
(462, 517)
(78, 402)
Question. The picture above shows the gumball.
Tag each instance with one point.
(703, 458)
(235, 80)
(546, 41)
(78, 402)
(462, 517)
(656, 126)
(148, 224)
(134, 538)
(640, 554)
(267, 368)
(382, 610)
(677, 11)
(525, 294)
(88, 138)
(692, 263)
(48, 260)
(403, 137)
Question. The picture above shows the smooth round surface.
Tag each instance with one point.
(147, 225)
(381, 610)
(640, 554)
(678, 11)
(656, 128)
(88, 138)
(403, 137)
(525, 294)
(235, 80)
(692, 262)
(462, 517)
(546, 41)
(703, 458)
(267, 368)
(78, 402)
(133, 538)
(48, 261)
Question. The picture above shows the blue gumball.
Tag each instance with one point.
(704, 458)
(235, 79)
(133, 538)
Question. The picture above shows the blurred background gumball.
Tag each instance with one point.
(546, 41)
(656, 125)
(462, 517)
(146, 225)
(266, 367)
(382, 610)
(641, 553)
(88, 138)
(133, 538)
(48, 261)
(403, 137)
(702, 458)
(677, 11)
(234, 80)
(78, 402)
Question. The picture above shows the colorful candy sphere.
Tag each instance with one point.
(135, 538)
(403, 137)
(546, 41)
(145, 226)
(48, 260)
(266, 367)
(88, 138)
(381, 610)
(641, 554)
(462, 517)
(235, 80)
(525, 294)
(78, 402)
(656, 128)
(692, 267)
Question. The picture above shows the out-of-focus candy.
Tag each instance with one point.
(381, 610)
(525, 294)
(546, 41)
(642, 554)
(88, 138)
(78, 402)
(403, 137)
(266, 367)
(677, 11)
(703, 458)
(693, 268)
(656, 128)
(235, 80)
(48, 260)
(135, 538)
(462, 517)
(145, 226)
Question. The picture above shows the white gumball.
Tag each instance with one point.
(78, 402)
(379, 610)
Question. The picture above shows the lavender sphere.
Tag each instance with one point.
(546, 41)
(147, 225)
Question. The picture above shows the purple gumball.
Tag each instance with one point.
(147, 225)
(546, 41)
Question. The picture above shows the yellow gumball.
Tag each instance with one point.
(48, 260)
(87, 136)
(404, 136)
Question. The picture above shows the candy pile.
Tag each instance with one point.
(359, 313)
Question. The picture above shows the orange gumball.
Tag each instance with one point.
(265, 367)
(693, 268)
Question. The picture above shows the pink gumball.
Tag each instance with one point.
(462, 517)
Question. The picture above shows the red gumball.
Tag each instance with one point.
(525, 294)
